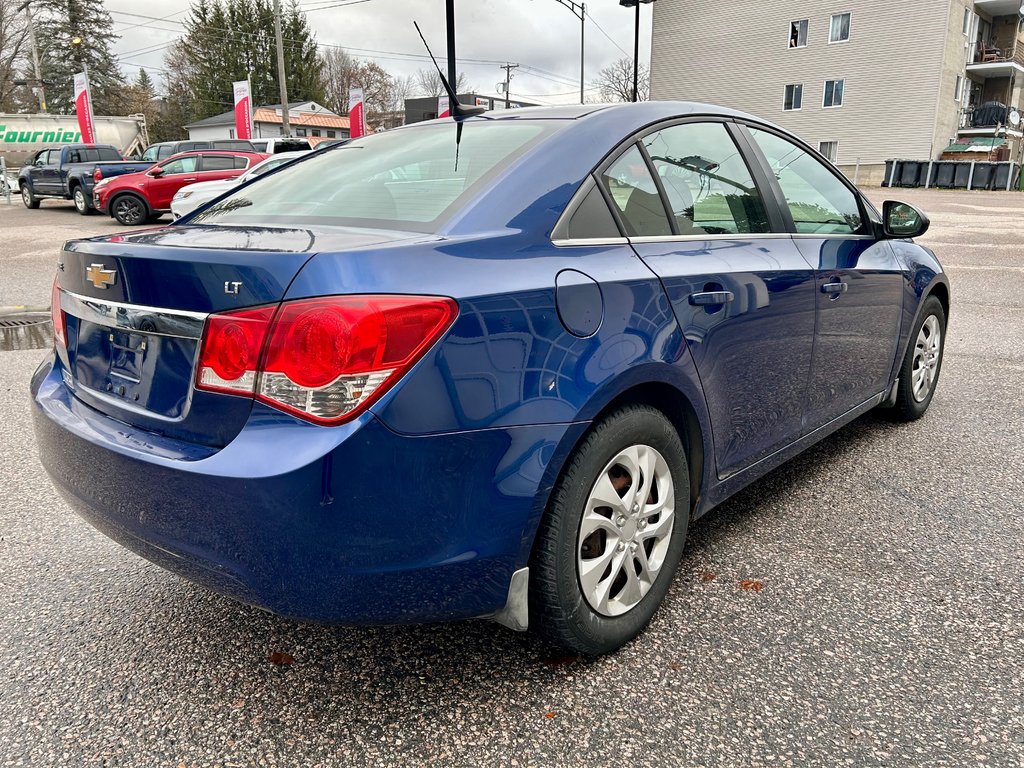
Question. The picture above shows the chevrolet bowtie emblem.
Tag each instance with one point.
(100, 277)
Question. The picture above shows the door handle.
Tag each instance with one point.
(192, 179)
(834, 289)
(711, 297)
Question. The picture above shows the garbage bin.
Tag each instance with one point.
(909, 173)
(1005, 173)
(944, 172)
(983, 176)
(890, 174)
(962, 175)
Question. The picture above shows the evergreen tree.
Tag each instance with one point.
(230, 40)
(75, 35)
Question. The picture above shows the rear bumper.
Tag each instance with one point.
(353, 524)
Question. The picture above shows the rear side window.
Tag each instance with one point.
(708, 185)
(104, 154)
(219, 162)
(635, 194)
(592, 219)
(403, 179)
(819, 202)
(166, 151)
(241, 162)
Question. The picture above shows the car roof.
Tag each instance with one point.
(227, 152)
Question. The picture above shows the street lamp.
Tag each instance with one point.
(580, 11)
(636, 39)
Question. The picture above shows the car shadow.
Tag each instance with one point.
(406, 671)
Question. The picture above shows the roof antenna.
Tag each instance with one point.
(457, 109)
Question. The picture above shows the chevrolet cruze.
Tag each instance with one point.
(481, 367)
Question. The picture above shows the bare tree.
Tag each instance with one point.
(13, 53)
(615, 82)
(427, 83)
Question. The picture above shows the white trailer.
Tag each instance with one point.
(23, 135)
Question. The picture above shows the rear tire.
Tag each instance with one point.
(919, 374)
(81, 202)
(28, 197)
(599, 571)
(129, 210)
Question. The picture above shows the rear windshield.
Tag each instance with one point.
(405, 179)
(93, 155)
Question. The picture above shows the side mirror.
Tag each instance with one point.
(157, 171)
(902, 220)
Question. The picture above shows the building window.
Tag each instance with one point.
(958, 89)
(830, 150)
(967, 21)
(839, 29)
(794, 97)
(300, 131)
(231, 133)
(330, 134)
(798, 34)
(316, 131)
(833, 93)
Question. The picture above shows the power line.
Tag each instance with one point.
(601, 29)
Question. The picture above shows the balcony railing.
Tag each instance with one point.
(992, 115)
(991, 54)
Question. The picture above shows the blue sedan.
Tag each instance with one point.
(484, 367)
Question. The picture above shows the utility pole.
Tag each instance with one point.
(580, 11)
(27, 8)
(636, 52)
(286, 129)
(508, 78)
(450, 23)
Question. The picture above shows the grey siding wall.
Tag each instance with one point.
(735, 53)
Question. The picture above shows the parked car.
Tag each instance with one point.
(164, 149)
(274, 146)
(188, 198)
(139, 197)
(69, 172)
(490, 367)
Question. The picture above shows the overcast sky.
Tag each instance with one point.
(541, 35)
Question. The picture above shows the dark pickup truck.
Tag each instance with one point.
(70, 172)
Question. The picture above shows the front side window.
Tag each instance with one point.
(180, 165)
(833, 93)
(404, 179)
(635, 194)
(794, 97)
(151, 155)
(166, 151)
(818, 201)
(839, 29)
(798, 34)
(829, 149)
(708, 185)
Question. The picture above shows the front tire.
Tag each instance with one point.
(28, 197)
(129, 210)
(613, 534)
(919, 375)
(81, 202)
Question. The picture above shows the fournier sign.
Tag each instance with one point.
(23, 135)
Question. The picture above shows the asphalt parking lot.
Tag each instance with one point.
(889, 629)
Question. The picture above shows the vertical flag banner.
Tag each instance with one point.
(443, 108)
(83, 108)
(243, 110)
(356, 116)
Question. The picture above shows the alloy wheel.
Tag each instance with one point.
(626, 530)
(128, 210)
(80, 203)
(927, 356)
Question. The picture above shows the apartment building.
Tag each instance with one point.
(864, 81)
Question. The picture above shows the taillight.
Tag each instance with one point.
(325, 360)
(97, 174)
(60, 328)
(232, 343)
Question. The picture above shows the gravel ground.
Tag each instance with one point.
(889, 630)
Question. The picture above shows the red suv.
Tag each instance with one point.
(137, 197)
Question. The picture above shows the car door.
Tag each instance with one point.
(860, 282)
(177, 172)
(741, 291)
(46, 175)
